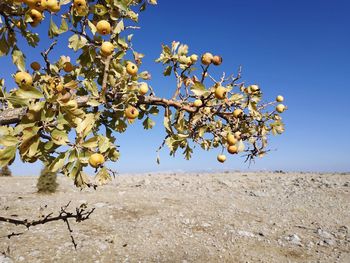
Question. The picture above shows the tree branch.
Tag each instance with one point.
(14, 116)
(80, 215)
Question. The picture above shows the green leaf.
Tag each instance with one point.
(199, 89)
(103, 177)
(119, 27)
(92, 27)
(18, 59)
(4, 47)
(91, 143)
(167, 71)
(53, 29)
(148, 123)
(59, 137)
(84, 127)
(7, 155)
(76, 42)
(8, 140)
(188, 152)
(103, 144)
(58, 163)
(29, 93)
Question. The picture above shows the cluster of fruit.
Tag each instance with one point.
(37, 7)
(233, 140)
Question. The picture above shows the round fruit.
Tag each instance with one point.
(56, 85)
(96, 160)
(103, 27)
(107, 48)
(217, 60)
(194, 58)
(131, 112)
(79, 3)
(23, 79)
(36, 4)
(280, 108)
(254, 88)
(53, 6)
(279, 98)
(132, 69)
(221, 158)
(68, 67)
(143, 88)
(237, 113)
(232, 149)
(36, 16)
(35, 66)
(220, 92)
(197, 103)
(207, 58)
(231, 139)
(80, 7)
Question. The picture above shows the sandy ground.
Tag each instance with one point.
(227, 217)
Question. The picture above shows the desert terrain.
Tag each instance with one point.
(221, 217)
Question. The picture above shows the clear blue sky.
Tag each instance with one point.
(298, 48)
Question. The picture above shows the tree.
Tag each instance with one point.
(47, 181)
(5, 171)
(104, 91)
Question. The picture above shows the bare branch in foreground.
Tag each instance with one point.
(81, 214)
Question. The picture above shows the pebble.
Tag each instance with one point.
(324, 234)
(245, 233)
(100, 205)
(294, 239)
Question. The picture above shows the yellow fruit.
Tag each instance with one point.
(143, 88)
(232, 149)
(220, 92)
(197, 103)
(80, 7)
(36, 4)
(231, 139)
(36, 16)
(35, 66)
(79, 4)
(207, 58)
(56, 8)
(96, 160)
(254, 88)
(56, 85)
(68, 67)
(217, 60)
(52, 5)
(237, 113)
(132, 69)
(107, 48)
(103, 27)
(131, 112)
(280, 108)
(194, 58)
(23, 79)
(279, 98)
(221, 158)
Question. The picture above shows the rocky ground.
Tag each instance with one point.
(226, 217)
